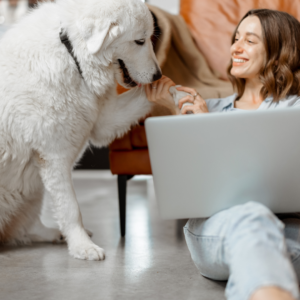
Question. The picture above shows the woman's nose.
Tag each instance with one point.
(237, 46)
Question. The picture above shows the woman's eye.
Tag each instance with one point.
(250, 42)
(236, 39)
(140, 42)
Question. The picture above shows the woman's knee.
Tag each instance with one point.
(240, 225)
(254, 223)
(254, 208)
(252, 213)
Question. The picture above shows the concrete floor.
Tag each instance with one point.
(152, 262)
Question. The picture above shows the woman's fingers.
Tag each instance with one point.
(154, 89)
(163, 77)
(148, 92)
(165, 89)
(191, 91)
(159, 85)
(162, 86)
(187, 89)
(188, 98)
(189, 108)
(158, 92)
(199, 106)
(161, 80)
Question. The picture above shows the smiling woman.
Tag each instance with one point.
(247, 244)
(266, 43)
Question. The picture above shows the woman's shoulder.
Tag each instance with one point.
(218, 104)
(292, 100)
(289, 101)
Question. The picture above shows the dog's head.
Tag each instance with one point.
(118, 32)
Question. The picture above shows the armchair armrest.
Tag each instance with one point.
(129, 154)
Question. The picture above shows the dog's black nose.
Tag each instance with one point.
(157, 75)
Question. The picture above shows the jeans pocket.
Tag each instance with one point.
(208, 255)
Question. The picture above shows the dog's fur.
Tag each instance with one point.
(49, 113)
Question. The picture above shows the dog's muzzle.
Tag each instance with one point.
(126, 77)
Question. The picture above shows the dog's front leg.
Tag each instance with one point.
(118, 114)
(57, 178)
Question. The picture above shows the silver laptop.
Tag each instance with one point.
(203, 164)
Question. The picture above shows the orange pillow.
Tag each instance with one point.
(212, 23)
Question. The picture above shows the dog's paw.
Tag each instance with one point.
(88, 251)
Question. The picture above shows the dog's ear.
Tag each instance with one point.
(96, 34)
(96, 40)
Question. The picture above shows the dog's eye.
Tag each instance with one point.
(140, 42)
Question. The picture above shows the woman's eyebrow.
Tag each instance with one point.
(251, 33)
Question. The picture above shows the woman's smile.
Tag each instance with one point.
(239, 61)
(248, 51)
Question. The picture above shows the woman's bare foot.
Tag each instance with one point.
(272, 293)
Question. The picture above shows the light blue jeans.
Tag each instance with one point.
(248, 246)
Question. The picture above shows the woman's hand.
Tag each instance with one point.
(199, 105)
(158, 93)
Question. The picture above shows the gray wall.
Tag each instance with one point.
(172, 6)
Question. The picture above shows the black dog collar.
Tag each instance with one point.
(65, 40)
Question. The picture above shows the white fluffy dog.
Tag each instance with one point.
(58, 73)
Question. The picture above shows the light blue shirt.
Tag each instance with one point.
(227, 104)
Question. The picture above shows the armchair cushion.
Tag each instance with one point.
(135, 162)
(129, 155)
(120, 144)
(138, 137)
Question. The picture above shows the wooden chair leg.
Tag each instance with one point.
(122, 185)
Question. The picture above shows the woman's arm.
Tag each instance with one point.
(158, 93)
(198, 106)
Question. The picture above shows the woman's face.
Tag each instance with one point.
(248, 52)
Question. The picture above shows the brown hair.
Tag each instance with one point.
(281, 74)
